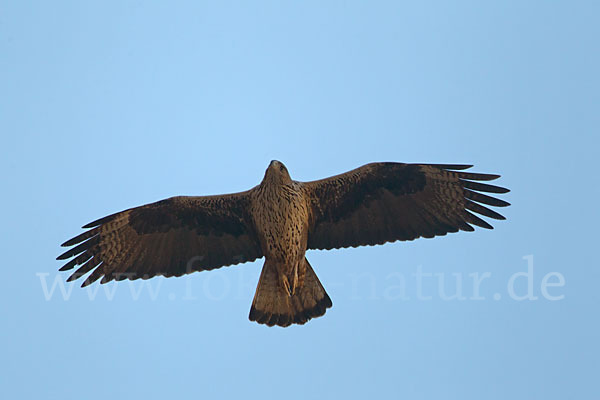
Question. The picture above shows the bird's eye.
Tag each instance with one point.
(282, 168)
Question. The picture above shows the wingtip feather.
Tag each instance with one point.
(70, 265)
(455, 167)
(73, 277)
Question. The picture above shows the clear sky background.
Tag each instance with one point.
(105, 105)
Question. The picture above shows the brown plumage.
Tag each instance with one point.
(280, 219)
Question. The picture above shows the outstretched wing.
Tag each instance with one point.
(171, 237)
(385, 202)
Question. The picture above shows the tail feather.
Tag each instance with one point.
(272, 304)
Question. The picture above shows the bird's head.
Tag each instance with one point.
(277, 173)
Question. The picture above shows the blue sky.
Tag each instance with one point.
(108, 105)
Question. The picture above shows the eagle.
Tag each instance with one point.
(280, 219)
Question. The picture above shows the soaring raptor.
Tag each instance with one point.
(280, 219)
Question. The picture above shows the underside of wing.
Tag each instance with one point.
(385, 202)
(171, 237)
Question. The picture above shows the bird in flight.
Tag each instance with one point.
(279, 220)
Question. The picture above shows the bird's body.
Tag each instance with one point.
(280, 213)
(280, 219)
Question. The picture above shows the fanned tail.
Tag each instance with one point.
(272, 304)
